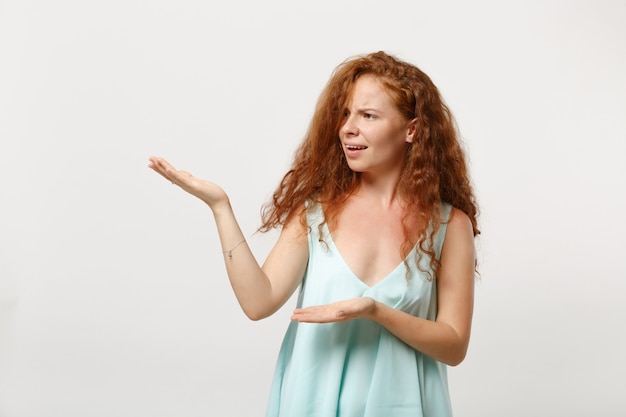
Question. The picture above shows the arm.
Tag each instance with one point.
(445, 339)
(260, 290)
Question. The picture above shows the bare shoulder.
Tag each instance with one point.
(293, 240)
(295, 225)
(459, 222)
(458, 246)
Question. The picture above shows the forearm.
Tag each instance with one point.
(446, 339)
(250, 284)
(258, 295)
(438, 340)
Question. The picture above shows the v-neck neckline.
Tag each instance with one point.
(379, 282)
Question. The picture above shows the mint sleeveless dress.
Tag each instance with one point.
(357, 368)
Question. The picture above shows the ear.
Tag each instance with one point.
(411, 129)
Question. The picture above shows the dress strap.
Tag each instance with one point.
(444, 209)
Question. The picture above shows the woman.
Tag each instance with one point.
(378, 223)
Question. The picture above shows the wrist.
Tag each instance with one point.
(372, 313)
(220, 207)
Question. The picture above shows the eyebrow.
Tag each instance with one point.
(368, 110)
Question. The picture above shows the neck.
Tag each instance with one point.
(382, 190)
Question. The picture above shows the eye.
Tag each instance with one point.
(346, 113)
(369, 116)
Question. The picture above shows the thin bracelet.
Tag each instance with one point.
(230, 252)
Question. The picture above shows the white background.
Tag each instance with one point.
(113, 295)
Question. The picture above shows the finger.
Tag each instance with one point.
(159, 170)
(175, 176)
(303, 314)
(165, 169)
(316, 315)
(164, 166)
(310, 319)
(157, 165)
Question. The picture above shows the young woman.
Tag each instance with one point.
(378, 222)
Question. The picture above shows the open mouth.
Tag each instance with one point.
(355, 147)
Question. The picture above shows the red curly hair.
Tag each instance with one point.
(434, 169)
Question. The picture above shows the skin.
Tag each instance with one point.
(381, 133)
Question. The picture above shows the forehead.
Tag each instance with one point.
(369, 90)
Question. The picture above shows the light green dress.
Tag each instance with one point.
(357, 368)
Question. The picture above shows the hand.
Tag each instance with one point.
(206, 191)
(335, 312)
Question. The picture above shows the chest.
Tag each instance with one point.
(370, 241)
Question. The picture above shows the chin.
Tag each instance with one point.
(355, 169)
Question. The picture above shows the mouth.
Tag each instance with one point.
(355, 147)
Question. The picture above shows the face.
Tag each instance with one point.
(374, 134)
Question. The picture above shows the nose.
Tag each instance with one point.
(349, 126)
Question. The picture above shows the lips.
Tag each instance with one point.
(353, 151)
(355, 147)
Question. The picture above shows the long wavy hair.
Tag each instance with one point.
(434, 170)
